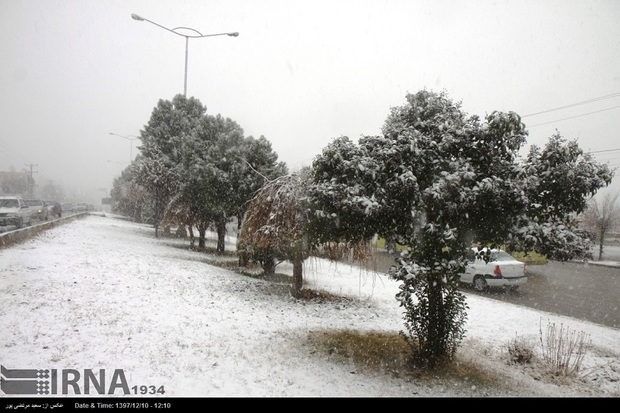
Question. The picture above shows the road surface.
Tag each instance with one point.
(575, 289)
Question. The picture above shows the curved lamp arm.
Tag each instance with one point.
(174, 30)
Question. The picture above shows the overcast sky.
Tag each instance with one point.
(300, 72)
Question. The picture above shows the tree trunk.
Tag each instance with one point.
(137, 215)
(435, 342)
(181, 232)
(297, 275)
(192, 239)
(269, 266)
(158, 212)
(600, 245)
(202, 229)
(221, 234)
(243, 258)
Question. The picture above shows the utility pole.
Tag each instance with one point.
(31, 180)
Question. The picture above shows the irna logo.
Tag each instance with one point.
(54, 381)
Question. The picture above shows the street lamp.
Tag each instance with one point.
(130, 138)
(196, 34)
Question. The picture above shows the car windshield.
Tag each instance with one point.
(9, 203)
(502, 256)
(495, 255)
(33, 202)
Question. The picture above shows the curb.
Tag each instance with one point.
(611, 264)
(19, 235)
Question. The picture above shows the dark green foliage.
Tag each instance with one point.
(342, 185)
(199, 169)
(164, 141)
(561, 178)
(437, 181)
(434, 306)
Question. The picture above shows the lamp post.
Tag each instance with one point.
(195, 35)
(130, 138)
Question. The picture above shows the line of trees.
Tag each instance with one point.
(194, 170)
(436, 181)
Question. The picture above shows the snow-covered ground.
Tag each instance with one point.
(104, 293)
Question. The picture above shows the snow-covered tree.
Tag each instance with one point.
(200, 169)
(206, 186)
(165, 138)
(274, 227)
(259, 165)
(277, 228)
(601, 217)
(560, 179)
(438, 180)
(160, 180)
(224, 170)
(128, 197)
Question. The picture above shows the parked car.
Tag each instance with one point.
(14, 211)
(54, 208)
(39, 209)
(80, 207)
(501, 270)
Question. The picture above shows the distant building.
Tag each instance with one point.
(15, 183)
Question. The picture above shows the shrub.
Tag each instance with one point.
(520, 351)
(563, 350)
(531, 258)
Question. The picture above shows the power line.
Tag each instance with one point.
(573, 117)
(12, 151)
(613, 95)
(606, 150)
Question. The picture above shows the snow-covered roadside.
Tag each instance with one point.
(103, 293)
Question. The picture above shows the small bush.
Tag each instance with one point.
(520, 351)
(531, 258)
(563, 350)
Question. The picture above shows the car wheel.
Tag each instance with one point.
(480, 283)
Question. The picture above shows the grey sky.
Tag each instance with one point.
(300, 73)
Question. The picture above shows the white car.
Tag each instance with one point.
(80, 207)
(39, 210)
(502, 270)
(14, 211)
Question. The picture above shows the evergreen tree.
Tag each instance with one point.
(165, 138)
(436, 181)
